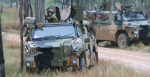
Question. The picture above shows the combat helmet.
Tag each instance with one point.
(51, 11)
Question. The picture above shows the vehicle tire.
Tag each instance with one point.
(94, 58)
(145, 42)
(25, 31)
(38, 68)
(123, 40)
(29, 70)
(82, 64)
(97, 42)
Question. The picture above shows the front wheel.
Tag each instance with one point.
(82, 64)
(123, 40)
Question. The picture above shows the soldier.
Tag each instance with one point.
(51, 17)
(103, 7)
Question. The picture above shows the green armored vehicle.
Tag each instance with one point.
(122, 26)
(60, 45)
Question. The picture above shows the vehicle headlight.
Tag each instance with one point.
(27, 64)
(136, 32)
(74, 61)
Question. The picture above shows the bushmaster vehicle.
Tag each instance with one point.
(122, 26)
(51, 45)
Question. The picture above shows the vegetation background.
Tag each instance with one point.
(10, 24)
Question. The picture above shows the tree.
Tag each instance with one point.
(63, 3)
(53, 1)
(77, 2)
(67, 3)
(141, 5)
(114, 5)
(2, 69)
(11, 4)
(147, 9)
(81, 2)
(21, 35)
(2, 6)
(87, 5)
(39, 11)
(16, 3)
(71, 2)
(31, 12)
(26, 9)
(121, 1)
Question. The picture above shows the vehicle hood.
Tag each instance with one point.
(50, 43)
(142, 23)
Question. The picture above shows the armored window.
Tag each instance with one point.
(133, 16)
(54, 30)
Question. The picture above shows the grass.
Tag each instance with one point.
(10, 20)
(103, 69)
(138, 47)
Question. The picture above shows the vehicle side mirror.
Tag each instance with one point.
(117, 18)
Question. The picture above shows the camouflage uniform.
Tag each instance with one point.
(52, 18)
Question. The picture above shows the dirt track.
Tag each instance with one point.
(140, 61)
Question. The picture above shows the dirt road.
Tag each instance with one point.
(140, 61)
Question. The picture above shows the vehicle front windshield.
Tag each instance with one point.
(55, 31)
(133, 16)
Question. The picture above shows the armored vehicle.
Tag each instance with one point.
(61, 45)
(122, 26)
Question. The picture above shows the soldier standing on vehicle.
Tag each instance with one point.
(51, 16)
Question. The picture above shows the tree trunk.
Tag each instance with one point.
(53, 1)
(141, 5)
(114, 5)
(71, 2)
(26, 9)
(21, 35)
(92, 5)
(87, 5)
(95, 6)
(2, 69)
(11, 4)
(121, 1)
(2, 6)
(62, 4)
(67, 3)
(98, 1)
(31, 12)
(147, 9)
(39, 5)
(16, 4)
(77, 2)
(81, 2)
